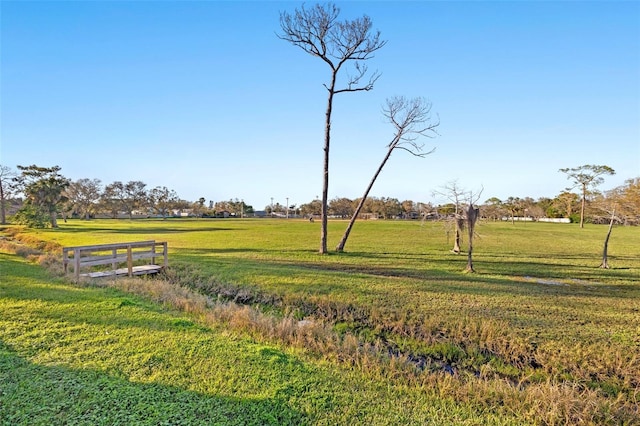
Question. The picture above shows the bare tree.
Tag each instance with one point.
(318, 32)
(585, 177)
(410, 119)
(7, 176)
(605, 248)
(620, 205)
(627, 201)
(455, 194)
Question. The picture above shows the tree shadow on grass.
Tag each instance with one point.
(32, 394)
(495, 274)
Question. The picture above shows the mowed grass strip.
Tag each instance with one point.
(85, 355)
(539, 313)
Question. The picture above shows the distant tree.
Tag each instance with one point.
(564, 205)
(493, 208)
(278, 208)
(410, 120)
(314, 208)
(7, 176)
(318, 32)
(83, 196)
(586, 177)
(179, 205)
(162, 200)
(108, 203)
(529, 208)
(237, 207)
(544, 208)
(44, 189)
(198, 207)
(515, 207)
(374, 205)
(426, 210)
(391, 207)
(126, 196)
(342, 207)
(408, 207)
(627, 201)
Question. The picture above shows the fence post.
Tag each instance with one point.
(165, 252)
(114, 264)
(65, 259)
(129, 260)
(76, 263)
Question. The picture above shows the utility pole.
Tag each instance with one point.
(287, 215)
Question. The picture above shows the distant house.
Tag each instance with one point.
(185, 213)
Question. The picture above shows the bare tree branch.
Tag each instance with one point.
(410, 119)
(317, 31)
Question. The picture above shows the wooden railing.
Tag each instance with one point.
(81, 257)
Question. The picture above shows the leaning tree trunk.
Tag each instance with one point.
(472, 217)
(343, 241)
(605, 262)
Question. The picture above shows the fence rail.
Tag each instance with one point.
(81, 257)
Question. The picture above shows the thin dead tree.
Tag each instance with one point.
(455, 194)
(605, 256)
(318, 32)
(411, 119)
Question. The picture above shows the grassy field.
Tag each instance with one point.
(390, 332)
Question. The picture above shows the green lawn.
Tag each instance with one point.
(540, 334)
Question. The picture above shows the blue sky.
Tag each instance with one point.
(202, 97)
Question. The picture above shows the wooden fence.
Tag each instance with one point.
(81, 257)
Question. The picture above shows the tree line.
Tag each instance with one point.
(39, 196)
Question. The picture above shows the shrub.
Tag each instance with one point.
(32, 216)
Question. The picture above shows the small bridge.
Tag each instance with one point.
(115, 255)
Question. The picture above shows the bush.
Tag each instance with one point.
(31, 216)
